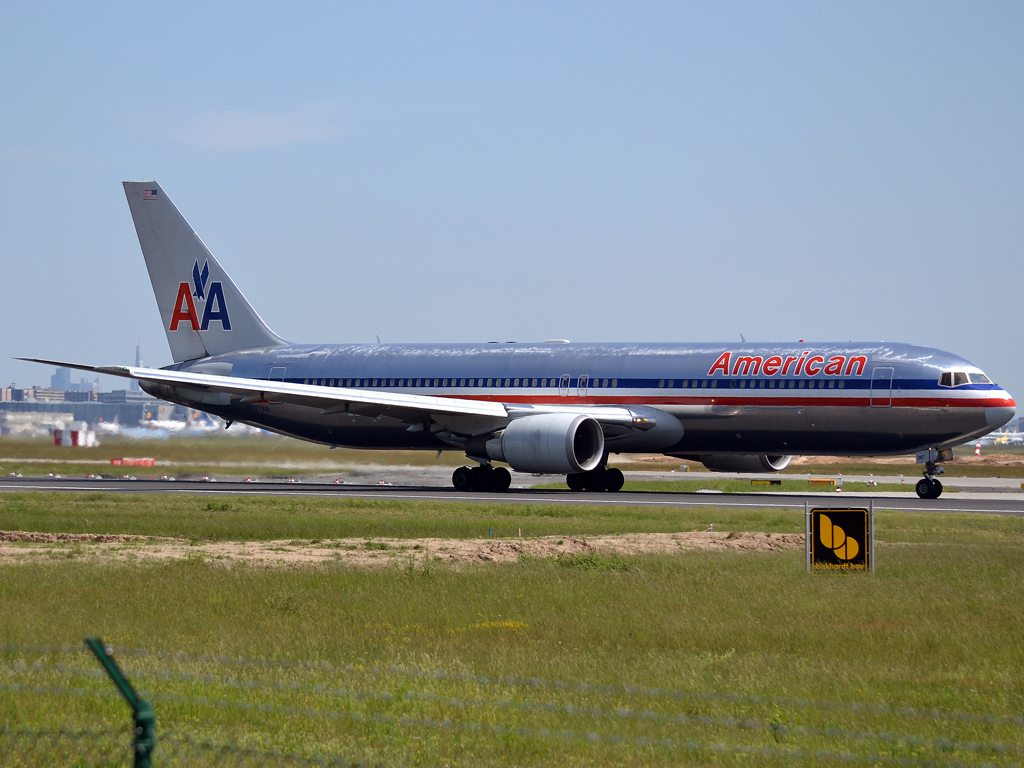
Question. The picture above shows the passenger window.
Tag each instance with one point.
(842, 385)
(732, 384)
(703, 383)
(661, 383)
(762, 384)
(959, 378)
(419, 382)
(490, 382)
(357, 382)
(801, 384)
(508, 382)
(771, 384)
(714, 383)
(615, 382)
(831, 385)
(743, 384)
(348, 382)
(685, 383)
(792, 383)
(332, 382)
(671, 383)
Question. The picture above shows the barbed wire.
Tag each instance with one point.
(535, 682)
(568, 709)
(520, 731)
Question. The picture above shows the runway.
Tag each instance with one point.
(993, 504)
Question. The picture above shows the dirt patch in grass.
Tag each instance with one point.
(23, 546)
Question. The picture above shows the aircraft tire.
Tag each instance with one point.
(575, 481)
(501, 479)
(481, 478)
(923, 488)
(936, 489)
(613, 480)
(462, 479)
(595, 480)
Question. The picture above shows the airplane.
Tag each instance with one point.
(548, 407)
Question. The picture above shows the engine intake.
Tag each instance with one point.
(554, 443)
(740, 462)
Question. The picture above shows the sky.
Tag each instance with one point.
(485, 171)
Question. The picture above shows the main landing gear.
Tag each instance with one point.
(600, 479)
(482, 478)
(930, 487)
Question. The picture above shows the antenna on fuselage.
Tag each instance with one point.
(743, 339)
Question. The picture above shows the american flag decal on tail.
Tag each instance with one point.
(149, 194)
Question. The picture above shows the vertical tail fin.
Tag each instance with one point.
(202, 310)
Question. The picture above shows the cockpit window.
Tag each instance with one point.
(961, 378)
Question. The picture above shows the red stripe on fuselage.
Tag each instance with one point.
(838, 402)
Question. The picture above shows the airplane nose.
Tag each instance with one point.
(996, 417)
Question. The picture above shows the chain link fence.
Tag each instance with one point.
(226, 711)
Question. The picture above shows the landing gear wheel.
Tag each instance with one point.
(613, 480)
(575, 482)
(462, 479)
(928, 488)
(481, 478)
(501, 479)
(594, 481)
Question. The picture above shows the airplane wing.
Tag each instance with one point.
(460, 415)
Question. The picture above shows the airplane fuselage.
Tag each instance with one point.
(858, 398)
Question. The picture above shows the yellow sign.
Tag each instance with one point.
(840, 540)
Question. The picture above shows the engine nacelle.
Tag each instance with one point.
(554, 443)
(741, 462)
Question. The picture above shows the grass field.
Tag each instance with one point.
(224, 455)
(939, 626)
(208, 455)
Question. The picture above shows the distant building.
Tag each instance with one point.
(82, 396)
(125, 396)
(49, 395)
(61, 379)
(138, 364)
(6, 394)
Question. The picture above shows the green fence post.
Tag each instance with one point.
(144, 737)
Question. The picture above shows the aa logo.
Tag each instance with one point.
(839, 539)
(210, 298)
(835, 538)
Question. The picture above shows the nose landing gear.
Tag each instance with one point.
(930, 487)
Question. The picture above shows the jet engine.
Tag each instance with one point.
(740, 462)
(553, 443)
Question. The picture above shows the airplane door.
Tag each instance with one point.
(581, 386)
(881, 387)
(563, 386)
(277, 373)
